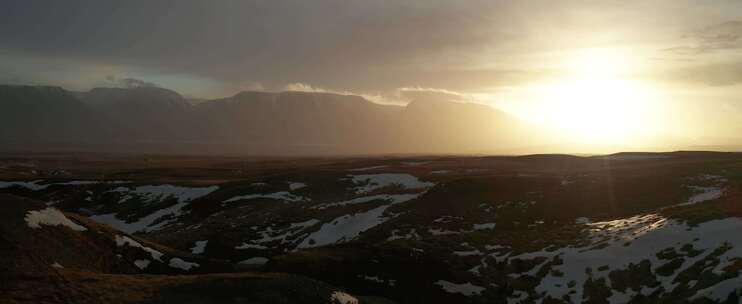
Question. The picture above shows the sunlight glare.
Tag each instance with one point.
(597, 102)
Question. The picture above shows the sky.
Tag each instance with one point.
(606, 72)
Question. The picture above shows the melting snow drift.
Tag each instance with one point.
(50, 217)
(183, 195)
(369, 182)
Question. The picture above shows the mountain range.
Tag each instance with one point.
(155, 120)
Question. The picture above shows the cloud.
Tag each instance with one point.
(717, 37)
(303, 87)
(400, 96)
(720, 36)
(355, 45)
(135, 83)
(725, 74)
(251, 86)
(431, 94)
(372, 47)
(386, 99)
(128, 82)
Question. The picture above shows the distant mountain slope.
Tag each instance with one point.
(315, 122)
(43, 114)
(441, 127)
(141, 113)
(148, 119)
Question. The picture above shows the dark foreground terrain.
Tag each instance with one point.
(624, 228)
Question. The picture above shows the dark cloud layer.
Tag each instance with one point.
(340, 45)
(717, 37)
(334, 43)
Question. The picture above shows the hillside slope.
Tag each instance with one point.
(48, 256)
(623, 228)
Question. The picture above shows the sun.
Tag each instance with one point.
(599, 110)
(597, 101)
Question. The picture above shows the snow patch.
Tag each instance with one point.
(255, 261)
(703, 194)
(37, 184)
(623, 242)
(32, 185)
(283, 236)
(125, 240)
(179, 263)
(345, 228)
(342, 298)
(467, 289)
(467, 253)
(369, 168)
(369, 182)
(184, 195)
(284, 196)
(296, 186)
(152, 193)
(438, 231)
(412, 235)
(50, 217)
(350, 226)
(251, 246)
(142, 264)
(485, 226)
(389, 198)
(199, 247)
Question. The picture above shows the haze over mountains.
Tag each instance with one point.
(155, 120)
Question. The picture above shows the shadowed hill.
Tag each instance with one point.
(47, 256)
(141, 113)
(30, 114)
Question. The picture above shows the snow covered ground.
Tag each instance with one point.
(296, 185)
(143, 224)
(467, 289)
(160, 218)
(38, 185)
(485, 226)
(199, 247)
(150, 193)
(50, 217)
(345, 228)
(181, 264)
(349, 226)
(283, 236)
(284, 196)
(622, 245)
(122, 240)
(366, 183)
(255, 261)
(703, 194)
(369, 168)
(388, 198)
(342, 298)
(32, 185)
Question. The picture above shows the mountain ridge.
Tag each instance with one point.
(151, 119)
